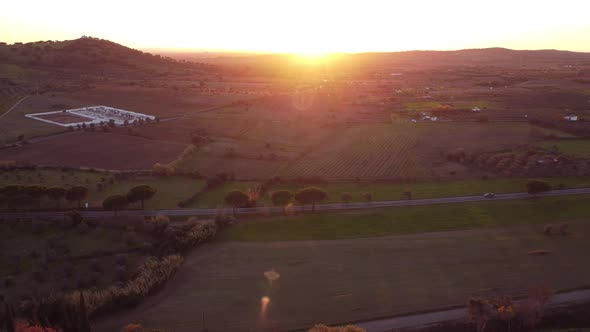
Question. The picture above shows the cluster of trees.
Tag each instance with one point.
(527, 161)
(49, 316)
(136, 194)
(19, 196)
(311, 195)
(284, 198)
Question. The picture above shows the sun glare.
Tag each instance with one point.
(312, 56)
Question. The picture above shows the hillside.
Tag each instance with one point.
(87, 57)
(283, 64)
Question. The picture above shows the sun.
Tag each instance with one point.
(312, 56)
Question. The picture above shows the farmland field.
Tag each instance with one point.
(411, 219)
(573, 147)
(383, 191)
(404, 150)
(94, 149)
(170, 190)
(358, 279)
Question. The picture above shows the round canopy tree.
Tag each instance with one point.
(537, 186)
(281, 198)
(236, 199)
(77, 193)
(56, 194)
(115, 203)
(141, 194)
(310, 195)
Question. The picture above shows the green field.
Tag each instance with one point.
(410, 219)
(171, 190)
(383, 191)
(576, 147)
(467, 104)
(358, 279)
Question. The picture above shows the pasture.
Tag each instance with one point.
(410, 219)
(418, 150)
(171, 190)
(94, 150)
(384, 191)
(578, 147)
(358, 279)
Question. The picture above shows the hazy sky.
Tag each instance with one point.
(308, 26)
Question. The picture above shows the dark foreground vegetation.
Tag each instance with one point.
(80, 256)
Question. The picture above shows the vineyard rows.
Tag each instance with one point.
(365, 151)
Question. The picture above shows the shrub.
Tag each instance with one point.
(131, 239)
(9, 281)
(68, 269)
(122, 273)
(95, 266)
(179, 239)
(223, 220)
(556, 229)
(39, 276)
(152, 274)
(160, 223)
(121, 260)
(347, 328)
(346, 197)
(537, 186)
(83, 228)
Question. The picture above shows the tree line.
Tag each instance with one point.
(21, 197)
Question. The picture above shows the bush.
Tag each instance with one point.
(39, 276)
(122, 273)
(160, 223)
(348, 328)
(9, 282)
(95, 266)
(121, 260)
(556, 229)
(222, 220)
(179, 239)
(68, 269)
(83, 228)
(152, 274)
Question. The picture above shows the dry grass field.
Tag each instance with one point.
(94, 149)
(348, 280)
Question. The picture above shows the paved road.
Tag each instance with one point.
(13, 106)
(437, 317)
(320, 207)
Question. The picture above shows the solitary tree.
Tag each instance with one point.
(236, 199)
(537, 186)
(77, 193)
(310, 195)
(36, 192)
(408, 194)
(140, 193)
(281, 198)
(346, 198)
(56, 194)
(115, 203)
(368, 197)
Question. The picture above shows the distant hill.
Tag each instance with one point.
(410, 60)
(92, 56)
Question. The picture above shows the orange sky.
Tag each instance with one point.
(305, 26)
